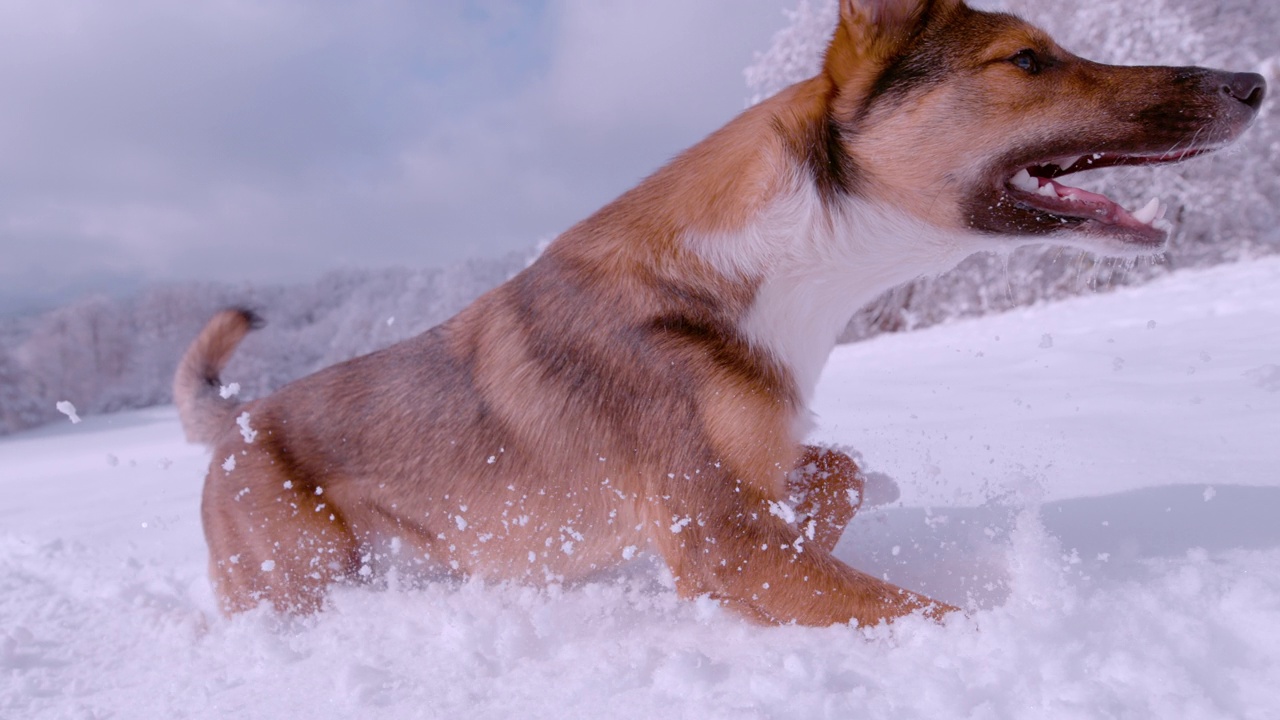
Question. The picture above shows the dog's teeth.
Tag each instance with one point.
(1048, 190)
(1149, 212)
(1066, 163)
(1160, 223)
(1024, 182)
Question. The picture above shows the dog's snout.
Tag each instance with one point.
(1248, 88)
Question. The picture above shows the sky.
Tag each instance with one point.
(148, 141)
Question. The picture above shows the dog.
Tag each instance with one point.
(644, 384)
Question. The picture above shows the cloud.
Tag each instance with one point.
(146, 140)
(662, 62)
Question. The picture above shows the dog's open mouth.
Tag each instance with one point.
(1037, 188)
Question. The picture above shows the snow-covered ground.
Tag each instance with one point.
(1095, 480)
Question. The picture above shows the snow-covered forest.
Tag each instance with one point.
(108, 354)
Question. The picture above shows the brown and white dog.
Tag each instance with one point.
(644, 384)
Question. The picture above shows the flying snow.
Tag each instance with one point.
(66, 408)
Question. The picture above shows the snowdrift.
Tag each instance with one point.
(1095, 481)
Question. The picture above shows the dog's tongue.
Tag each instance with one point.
(1082, 203)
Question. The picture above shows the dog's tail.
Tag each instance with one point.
(204, 408)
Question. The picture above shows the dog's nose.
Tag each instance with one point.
(1248, 88)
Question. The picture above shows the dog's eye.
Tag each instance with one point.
(1028, 61)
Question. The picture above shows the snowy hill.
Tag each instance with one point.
(1096, 481)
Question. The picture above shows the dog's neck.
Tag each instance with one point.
(815, 264)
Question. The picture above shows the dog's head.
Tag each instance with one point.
(969, 120)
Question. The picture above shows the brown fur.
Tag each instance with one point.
(625, 391)
(196, 388)
(469, 422)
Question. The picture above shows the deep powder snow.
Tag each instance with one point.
(1102, 502)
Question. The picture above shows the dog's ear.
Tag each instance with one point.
(883, 13)
(870, 34)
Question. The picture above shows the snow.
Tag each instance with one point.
(68, 409)
(246, 431)
(1110, 528)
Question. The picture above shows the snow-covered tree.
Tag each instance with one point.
(105, 355)
(19, 405)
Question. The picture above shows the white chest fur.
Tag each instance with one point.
(817, 268)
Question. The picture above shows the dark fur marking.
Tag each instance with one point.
(686, 297)
(906, 73)
(581, 356)
(821, 148)
(917, 64)
(253, 317)
(936, 50)
(730, 352)
(209, 374)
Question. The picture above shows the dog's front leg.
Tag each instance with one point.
(829, 488)
(725, 541)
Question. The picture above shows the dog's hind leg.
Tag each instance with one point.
(830, 488)
(273, 539)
